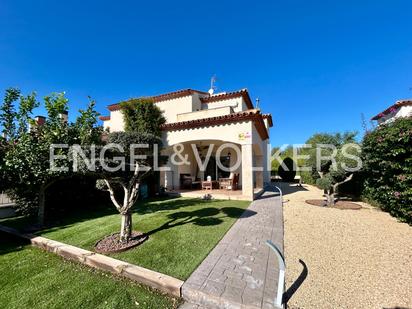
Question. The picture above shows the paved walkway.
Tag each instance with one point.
(241, 271)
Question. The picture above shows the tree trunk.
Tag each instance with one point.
(126, 229)
(42, 202)
(330, 198)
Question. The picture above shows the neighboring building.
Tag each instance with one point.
(402, 108)
(200, 118)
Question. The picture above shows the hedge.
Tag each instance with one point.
(387, 167)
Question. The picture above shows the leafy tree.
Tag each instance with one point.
(2, 154)
(337, 140)
(138, 165)
(142, 126)
(387, 158)
(282, 154)
(26, 166)
(339, 173)
(142, 116)
(8, 114)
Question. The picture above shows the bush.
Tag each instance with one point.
(289, 174)
(64, 197)
(324, 183)
(387, 161)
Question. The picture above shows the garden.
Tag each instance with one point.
(384, 178)
(67, 201)
(181, 231)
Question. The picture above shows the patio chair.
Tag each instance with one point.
(230, 183)
(186, 181)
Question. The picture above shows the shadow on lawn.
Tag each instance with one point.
(10, 243)
(202, 217)
(169, 203)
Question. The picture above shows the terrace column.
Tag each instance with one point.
(247, 171)
(259, 171)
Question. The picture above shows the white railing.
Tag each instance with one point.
(281, 280)
(278, 302)
(280, 193)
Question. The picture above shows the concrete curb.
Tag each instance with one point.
(139, 274)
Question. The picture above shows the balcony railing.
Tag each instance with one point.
(205, 113)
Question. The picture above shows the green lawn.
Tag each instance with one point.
(182, 231)
(32, 278)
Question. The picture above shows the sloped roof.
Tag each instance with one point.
(229, 95)
(205, 97)
(392, 108)
(164, 97)
(269, 118)
(252, 114)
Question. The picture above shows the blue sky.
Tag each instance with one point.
(315, 65)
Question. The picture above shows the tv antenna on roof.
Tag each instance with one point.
(257, 103)
(212, 85)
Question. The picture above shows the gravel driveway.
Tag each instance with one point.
(354, 258)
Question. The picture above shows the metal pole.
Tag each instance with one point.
(281, 282)
(281, 194)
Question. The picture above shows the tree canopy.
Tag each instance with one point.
(141, 115)
(25, 168)
(143, 121)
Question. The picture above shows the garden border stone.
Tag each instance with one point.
(159, 281)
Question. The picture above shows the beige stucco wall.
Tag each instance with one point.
(116, 122)
(183, 109)
(226, 132)
(171, 108)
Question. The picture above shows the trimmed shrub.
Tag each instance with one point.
(387, 161)
(287, 175)
(324, 183)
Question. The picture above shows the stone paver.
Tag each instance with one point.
(241, 271)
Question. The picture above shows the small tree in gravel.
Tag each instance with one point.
(339, 172)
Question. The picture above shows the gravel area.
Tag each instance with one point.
(112, 244)
(354, 258)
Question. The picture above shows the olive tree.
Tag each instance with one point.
(341, 168)
(128, 159)
(139, 149)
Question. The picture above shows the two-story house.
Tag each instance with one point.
(226, 124)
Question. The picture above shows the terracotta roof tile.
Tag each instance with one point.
(164, 97)
(104, 118)
(229, 95)
(252, 114)
(206, 98)
(269, 118)
(392, 108)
